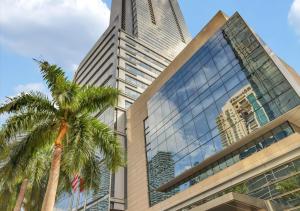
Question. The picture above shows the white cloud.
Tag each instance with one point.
(74, 67)
(294, 16)
(61, 31)
(30, 87)
(3, 118)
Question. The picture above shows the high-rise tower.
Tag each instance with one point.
(143, 37)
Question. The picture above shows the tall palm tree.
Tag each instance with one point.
(70, 112)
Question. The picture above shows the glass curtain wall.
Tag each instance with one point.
(228, 89)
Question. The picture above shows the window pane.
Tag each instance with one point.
(201, 125)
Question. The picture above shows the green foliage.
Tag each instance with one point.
(22, 163)
(27, 137)
(240, 188)
(289, 184)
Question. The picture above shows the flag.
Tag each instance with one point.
(81, 185)
(75, 183)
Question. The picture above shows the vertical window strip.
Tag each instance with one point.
(134, 18)
(123, 21)
(151, 12)
(177, 22)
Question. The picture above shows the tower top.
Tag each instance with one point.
(159, 23)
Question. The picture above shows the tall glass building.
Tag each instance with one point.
(143, 37)
(219, 129)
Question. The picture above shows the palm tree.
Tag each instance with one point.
(32, 175)
(7, 195)
(22, 168)
(70, 113)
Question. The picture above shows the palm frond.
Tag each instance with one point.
(4, 149)
(108, 144)
(33, 100)
(39, 164)
(80, 146)
(34, 198)
(21, 123)
(22, 153)
(91, 174)
(96, 99)
(53, 75)
(8, 196)
(39, 137)
(67, 96)
(65, 180)
(63, 91)
(35, 195)
(25, 164)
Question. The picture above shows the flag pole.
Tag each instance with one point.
(85, 200)
(78, 197)
(86, 192)
(74, 184)
(71, 201)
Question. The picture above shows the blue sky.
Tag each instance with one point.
(62, 31)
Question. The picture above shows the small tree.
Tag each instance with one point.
(23, 167)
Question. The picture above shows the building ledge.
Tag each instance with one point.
(236, 202)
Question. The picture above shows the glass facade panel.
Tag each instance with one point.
(135, 82)
(137, 72)
(282, 189)
(127, 104)
(132, 93)
(229, 88)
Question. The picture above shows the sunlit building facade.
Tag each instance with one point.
(219, 129)
(142, 38)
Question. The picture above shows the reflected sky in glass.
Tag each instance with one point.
(228, 89)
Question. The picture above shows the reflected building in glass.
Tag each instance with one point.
(161, 161)
(222, 116)
(240, 116)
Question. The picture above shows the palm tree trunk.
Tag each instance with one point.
(21, 195)
(49, 198)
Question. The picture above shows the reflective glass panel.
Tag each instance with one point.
(229, 88)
